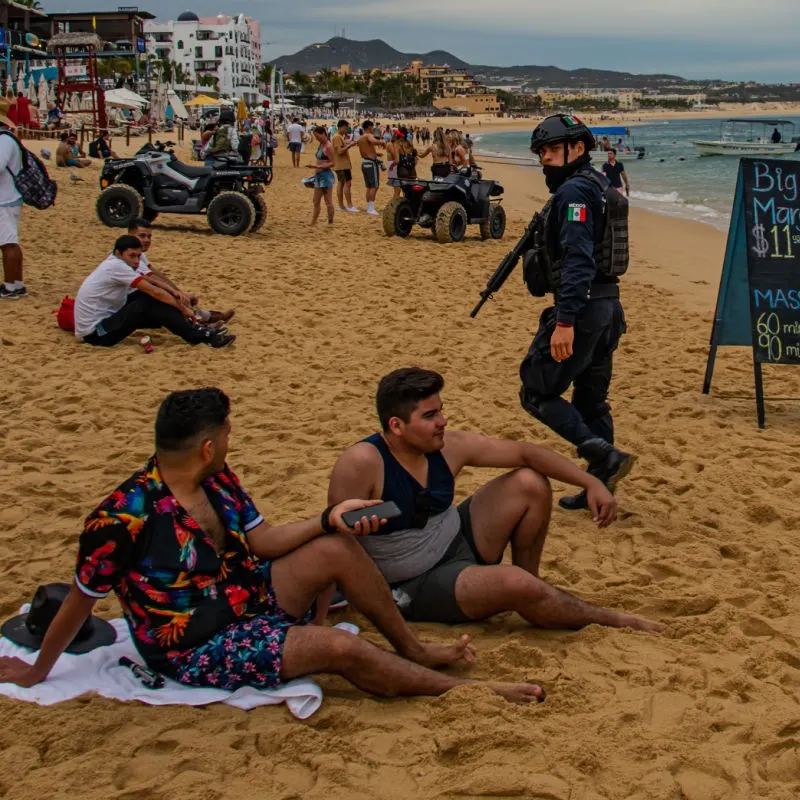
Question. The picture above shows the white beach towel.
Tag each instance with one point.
(100, 672)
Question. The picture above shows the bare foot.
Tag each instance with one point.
(639, 624)
(441, 655)
(520, 692)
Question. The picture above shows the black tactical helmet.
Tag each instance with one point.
(227, 117)
(561, 128)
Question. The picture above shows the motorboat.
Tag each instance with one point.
(617, 137)
(751, 137)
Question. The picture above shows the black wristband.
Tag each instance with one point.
(325, 521)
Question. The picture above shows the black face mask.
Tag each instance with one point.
(555, 176)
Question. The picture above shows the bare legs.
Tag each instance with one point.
(301, 576)
(515, 509)
(319, 194)
(344, 196)
(12, 262)
(311, 649)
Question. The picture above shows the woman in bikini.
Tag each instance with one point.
(440, 151)
(324, 179)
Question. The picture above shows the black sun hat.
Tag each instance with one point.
(28, 630)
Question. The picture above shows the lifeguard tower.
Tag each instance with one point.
(76, 61)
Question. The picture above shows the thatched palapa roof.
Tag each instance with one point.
(75, 40)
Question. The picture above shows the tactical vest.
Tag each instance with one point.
(221, 142)
(541, 265)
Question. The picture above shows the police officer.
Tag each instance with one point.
(579, 333)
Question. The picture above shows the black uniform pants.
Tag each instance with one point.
(597, 332)
(142, 311)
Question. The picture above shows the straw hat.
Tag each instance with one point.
(5, 105)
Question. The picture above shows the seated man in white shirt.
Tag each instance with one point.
(107, 311)
(142, 229)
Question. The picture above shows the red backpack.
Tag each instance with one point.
(65, 315)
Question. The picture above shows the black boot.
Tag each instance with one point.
(606, 463)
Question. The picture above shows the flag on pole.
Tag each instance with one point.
(94, 23)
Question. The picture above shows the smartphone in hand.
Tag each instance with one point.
(383, 511)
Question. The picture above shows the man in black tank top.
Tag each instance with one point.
(442, 562)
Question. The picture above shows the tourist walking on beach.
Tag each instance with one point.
(615, 172)
(268, 144)
(215, 596)
(578, 335)
(324, 178)
(13, 286)
(343, 167)
(296, 134)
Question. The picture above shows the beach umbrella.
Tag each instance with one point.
(241, 110)
(202, 100)
(20, 82)
(7, 87)
(32, 96)
(43, 94)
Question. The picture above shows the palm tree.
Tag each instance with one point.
(265, 74)
(300, 80)
(34, 4)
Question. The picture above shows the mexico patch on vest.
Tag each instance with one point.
(576, 212)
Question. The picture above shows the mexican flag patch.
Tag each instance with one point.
(576, 212)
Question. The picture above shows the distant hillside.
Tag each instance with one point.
(376, 54)
(554, 76)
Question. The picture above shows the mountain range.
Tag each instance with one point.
(377, 54)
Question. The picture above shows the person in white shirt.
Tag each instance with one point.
(143, 231)
(296, 134)
(13, 287)
(106, 311)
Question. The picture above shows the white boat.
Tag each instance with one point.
(751, 137)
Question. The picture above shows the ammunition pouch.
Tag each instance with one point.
(534, 273)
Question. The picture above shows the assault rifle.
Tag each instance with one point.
(507, 265)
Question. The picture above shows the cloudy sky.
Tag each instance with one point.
(729, 39)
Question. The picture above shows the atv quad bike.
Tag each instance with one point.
(154, 182)
(446, 206)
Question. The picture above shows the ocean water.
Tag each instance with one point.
(671, 179)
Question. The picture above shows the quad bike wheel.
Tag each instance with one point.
(495, 226)
(398, 217)
(260, 206)
(451, 223)
(231, 213)
(119, 205)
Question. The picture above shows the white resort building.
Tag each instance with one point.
(226, 48)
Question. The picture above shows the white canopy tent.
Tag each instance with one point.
(125, 98)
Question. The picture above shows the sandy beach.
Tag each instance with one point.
(705, 542)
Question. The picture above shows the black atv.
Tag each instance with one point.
(154, 182)
(446, 206)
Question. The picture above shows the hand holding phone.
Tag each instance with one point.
(382, 511)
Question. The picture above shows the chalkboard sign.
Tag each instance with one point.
(759, 295)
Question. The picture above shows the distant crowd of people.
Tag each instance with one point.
(449, 149)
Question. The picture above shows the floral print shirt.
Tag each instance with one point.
(176, 591)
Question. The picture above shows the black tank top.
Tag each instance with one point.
(403, 488)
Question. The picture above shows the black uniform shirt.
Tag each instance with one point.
(578, 223)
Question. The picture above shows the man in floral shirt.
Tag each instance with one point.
(215, 596)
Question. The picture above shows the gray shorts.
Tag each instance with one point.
(371, 173)
(431, 597)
